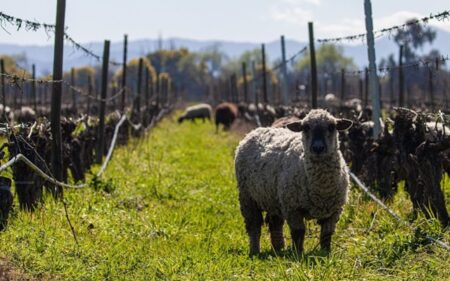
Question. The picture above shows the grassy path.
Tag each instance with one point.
(168, 209)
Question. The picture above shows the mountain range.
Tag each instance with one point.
(42, 56)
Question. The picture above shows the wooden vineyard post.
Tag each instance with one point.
(312, 53)
(124, 73)
(2, 70)
(284, 75)
(244, 77)
(431, 87)
(55, 115)
(230, 96)
(254, 85)
(74, 96)
(137, 107)
(401, 80)
(264, 73)
(89, 94)
(366, 87)
(33, 87)
(101, 126)
(147, 89)
(158, 90)
(342, 87)
(361, 88)
(391, 88)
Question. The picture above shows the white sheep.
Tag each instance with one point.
(331, 101)
(435, 130)
(6, 112)
(292, 176)
(203, 111)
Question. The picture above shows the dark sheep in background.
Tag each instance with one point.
(202, 111)
(226, 113)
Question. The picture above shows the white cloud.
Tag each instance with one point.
(293, 11)
(299, 2)
(298, 16)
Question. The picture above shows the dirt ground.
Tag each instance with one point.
(9, 273)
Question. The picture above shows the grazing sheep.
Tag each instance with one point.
(202, 111)
(226, 113)
(292, 176)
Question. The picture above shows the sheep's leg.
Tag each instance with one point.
(253, 221)
(326, 231)
(276, 231)
(297, 226)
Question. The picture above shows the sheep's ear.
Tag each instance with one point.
(343, 124)
(295, 126)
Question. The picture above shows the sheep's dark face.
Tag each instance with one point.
(319, 132)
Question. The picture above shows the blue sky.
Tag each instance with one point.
(235, 20)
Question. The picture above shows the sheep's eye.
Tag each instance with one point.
(331, 128)
(306, 128)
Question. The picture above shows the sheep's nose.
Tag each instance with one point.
(318, 147)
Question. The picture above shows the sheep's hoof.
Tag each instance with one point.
(277, 247)
(325, 252)
(254, 252)
(298, 252)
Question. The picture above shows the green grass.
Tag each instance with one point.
(167, 208)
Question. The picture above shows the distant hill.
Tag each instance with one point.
(42, 55)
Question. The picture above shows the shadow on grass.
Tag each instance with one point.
(315, 256)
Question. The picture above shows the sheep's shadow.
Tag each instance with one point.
(315, 256)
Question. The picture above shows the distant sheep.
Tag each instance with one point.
(25, 115)
(292, 174)
(284, 121)
(200, 111)
(226, 113)
(331, 101)
(436, 130)
(6, 112)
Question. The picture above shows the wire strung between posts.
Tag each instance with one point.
(83, 93)
(423, 63)
(111, 147)
(27, 24)
(382, 32)
(291, 59)
(35, 26)
(21, 157)
(14, 79)
(360, 184)
(88, 52)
